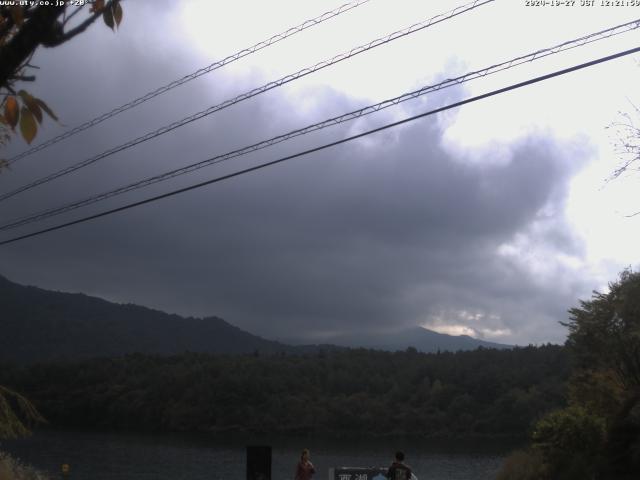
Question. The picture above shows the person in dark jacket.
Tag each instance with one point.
(305, 469)
(398, 470)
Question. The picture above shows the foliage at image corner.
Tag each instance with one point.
(23, 28)
(12, 469)
(16, 414)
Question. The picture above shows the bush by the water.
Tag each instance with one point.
(523, 465)
(12, 469)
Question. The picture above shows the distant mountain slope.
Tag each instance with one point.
(41, 325)
(37, 324)
(421, 339)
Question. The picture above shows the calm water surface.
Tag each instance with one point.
(111, 456)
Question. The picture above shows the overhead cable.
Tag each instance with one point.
(252, 93)
(361, 112)
(192, 76)
(325, 146)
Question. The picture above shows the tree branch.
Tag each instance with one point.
(39, 28)
(80, 28)
(24, 78)
(73, 14)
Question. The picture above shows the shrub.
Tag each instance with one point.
(570, 442)
(12, 469)
(523, 465)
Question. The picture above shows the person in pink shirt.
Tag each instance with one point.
(305, 469)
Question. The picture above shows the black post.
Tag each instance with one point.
(258, 462)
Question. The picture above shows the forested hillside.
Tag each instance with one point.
(41, 325)
(482, 392)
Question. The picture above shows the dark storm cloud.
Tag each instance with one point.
(392, 231)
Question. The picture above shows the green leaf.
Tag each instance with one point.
(107, 16)
(28, 125)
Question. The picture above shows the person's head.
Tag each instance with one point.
(399, 456)
(305, 455)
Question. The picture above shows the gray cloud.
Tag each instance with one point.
(395, 230)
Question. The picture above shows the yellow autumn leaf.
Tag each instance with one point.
(97, 6)
(28, 125)
(46, 108)
(11, 112)
(117, 13)
(31, 103)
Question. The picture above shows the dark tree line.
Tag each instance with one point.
(482, 392)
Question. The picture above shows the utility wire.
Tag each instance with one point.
(328, 145)
(538, 54)
(252, 93)
(192, 76)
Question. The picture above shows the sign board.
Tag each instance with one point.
(358, 473)
(258, 462)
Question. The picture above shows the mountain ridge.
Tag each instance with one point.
(45, 325)
(420, 338)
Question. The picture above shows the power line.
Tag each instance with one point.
(192, 76)
(252, 93)
(538, 54)
(327, 145)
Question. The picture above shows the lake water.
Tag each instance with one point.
(114, 456)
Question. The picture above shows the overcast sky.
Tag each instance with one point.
(489, 220)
